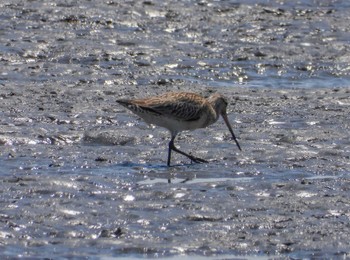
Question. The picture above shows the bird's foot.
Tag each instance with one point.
(197, 160)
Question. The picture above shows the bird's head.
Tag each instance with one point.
(219, 103)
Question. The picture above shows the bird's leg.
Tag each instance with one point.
(169, 150)
(172, 147)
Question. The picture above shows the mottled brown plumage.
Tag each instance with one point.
(180, 111)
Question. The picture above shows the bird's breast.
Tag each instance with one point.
(174, 124)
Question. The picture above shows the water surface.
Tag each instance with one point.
(81, 177)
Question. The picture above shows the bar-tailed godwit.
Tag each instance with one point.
(180, 111)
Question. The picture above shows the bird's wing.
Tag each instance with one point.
(178, 107)
(135, 107)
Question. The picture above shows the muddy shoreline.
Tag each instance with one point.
(82, 177)
(98, 184)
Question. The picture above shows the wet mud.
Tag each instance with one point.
(82, 177)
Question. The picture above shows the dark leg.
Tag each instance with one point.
(172, 147)
(169, 150)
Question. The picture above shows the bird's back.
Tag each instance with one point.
(176, 111)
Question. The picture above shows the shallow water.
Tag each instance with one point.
(81, 177)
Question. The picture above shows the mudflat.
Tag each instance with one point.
(80, 176)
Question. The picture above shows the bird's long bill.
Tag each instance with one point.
(224, 116)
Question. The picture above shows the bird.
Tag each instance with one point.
(181, 111)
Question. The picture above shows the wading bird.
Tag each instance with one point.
(180, 111)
